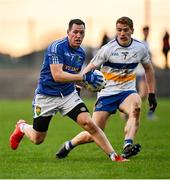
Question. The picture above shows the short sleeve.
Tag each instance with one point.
(146, 56)
(100, 58)
(55, 55)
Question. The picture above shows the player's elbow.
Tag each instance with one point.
(57, 77)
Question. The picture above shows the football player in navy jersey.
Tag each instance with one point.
(56, 91)
(118, 60)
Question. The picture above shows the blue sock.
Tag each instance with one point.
(69, 145)
(128, 142)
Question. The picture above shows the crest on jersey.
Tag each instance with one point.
(99, 104)
(78, 59)
(125, 54)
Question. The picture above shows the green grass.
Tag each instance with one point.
(87, 161)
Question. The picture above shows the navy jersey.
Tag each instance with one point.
(59, 52)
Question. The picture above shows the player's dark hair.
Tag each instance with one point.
(125, 20)
(146, 28)
(75, 21)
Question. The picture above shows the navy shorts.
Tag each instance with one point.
(111, 103)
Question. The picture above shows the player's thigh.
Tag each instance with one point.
(100, 118)
(131, 102)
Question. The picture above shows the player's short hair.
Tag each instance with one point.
(125, 20)
(75, 21)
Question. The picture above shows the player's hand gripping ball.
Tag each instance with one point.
(97, 81)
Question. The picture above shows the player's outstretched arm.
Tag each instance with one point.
(150, 76)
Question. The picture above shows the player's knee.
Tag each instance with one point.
(38, 140)
(135, 111)
(135, 114)
(90, 126)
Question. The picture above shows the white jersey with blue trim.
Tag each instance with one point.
(118, 64)
(140, 70)
(59, 52)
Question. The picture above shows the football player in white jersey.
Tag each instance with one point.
(56, 92)
(118, 60)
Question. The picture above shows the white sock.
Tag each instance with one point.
(112, 156)
(67, 145)
(127, 144)
(22, 125)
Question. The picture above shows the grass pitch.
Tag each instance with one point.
(87, 161)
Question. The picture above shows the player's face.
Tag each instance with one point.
(146, 33)
(124, 33)
(76, 35)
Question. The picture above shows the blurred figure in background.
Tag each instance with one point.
(166, 48)
(140, 73)
(105, 40)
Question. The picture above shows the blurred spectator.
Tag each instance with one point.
(145, 38)
(166, 48)
(105, 39)
(141, 81)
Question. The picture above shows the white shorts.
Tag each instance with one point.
(49, 105)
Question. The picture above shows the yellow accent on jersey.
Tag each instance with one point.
(118, 78)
